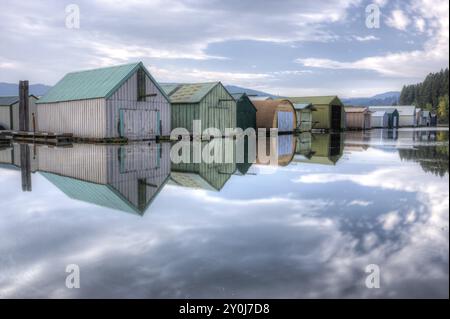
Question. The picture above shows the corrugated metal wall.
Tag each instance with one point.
(407, 120)
(304, 120)
(218, 110)
(5, 117)
(355, 120)
(140, 172)
(6, 156)
(379, 121)
(126, 98)
(32, 110)
(215, 174)
(82, 161)
(184, 114)
(84, 118)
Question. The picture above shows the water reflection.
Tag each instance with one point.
(124, 178)
(325, 149)
(308, 229)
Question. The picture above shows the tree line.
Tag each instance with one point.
(431, 94)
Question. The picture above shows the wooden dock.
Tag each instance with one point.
(37, 137)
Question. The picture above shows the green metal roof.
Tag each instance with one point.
(188, 92)
(169, 87)
(97, 194)
(316, 100)
(92, 84)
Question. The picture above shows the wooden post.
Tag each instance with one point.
(24, 121)
(25, 167)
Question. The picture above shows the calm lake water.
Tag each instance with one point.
(138, 226)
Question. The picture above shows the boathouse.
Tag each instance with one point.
(9, 113)
(357, 118)
(379, 119)
(329, 114)
(393, 115)
(115, 102)
(407, 114)
(278, 114)
(209, 102)
(245, 111)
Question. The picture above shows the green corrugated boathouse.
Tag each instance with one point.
(329, 113)
(209, 102)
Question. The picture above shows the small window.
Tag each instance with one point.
(141, 94)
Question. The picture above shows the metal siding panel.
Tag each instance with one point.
(5, 117)
(126, 98)
(85, 118)
(83, 161)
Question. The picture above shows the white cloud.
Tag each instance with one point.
(399, 20)
(420, 24)
(389, 220)
(434, 55)
(366, 38)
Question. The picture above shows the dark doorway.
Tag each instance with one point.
(336, 117)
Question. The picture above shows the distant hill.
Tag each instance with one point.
(12, 89)
(388, 98)
(237, 89)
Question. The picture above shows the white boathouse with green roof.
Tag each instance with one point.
(121, 101)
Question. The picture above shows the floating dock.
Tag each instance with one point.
(36, 137)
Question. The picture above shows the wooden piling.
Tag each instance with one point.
(25, 167)
(24, 107)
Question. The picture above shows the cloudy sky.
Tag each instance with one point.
(288, 47)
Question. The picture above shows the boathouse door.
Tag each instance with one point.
(139, 124)
(336, 117)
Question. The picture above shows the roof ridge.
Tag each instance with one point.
(104, 68)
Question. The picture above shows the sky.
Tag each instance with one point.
(287, 47)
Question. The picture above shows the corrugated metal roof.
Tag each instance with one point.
(97, 194)
(92, 84)
(237, 96)
(316, 100)
(356, 109)
(406, 110)
(188, 92)
(260, 98)
(169, 88)
(8, 100)
(302, 106)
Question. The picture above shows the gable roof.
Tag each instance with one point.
(10, 100)
(316, 100)
(98, 194)
(188, 92)
(238, 96)
(93, 84)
